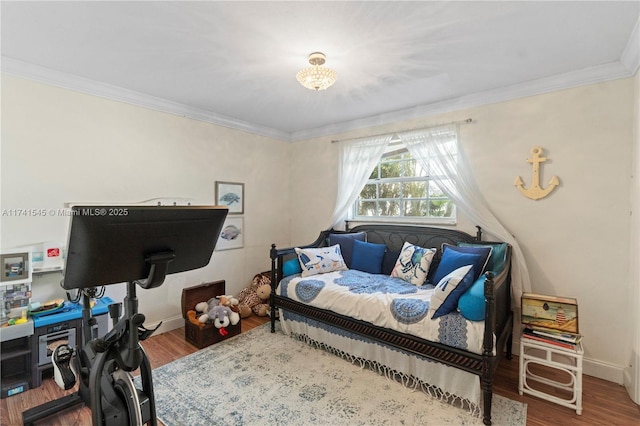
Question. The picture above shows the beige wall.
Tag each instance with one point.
(576, 241)
(632, 373)
(62, 146)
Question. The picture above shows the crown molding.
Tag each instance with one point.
(80, 84)
(631, 54)
(627, 67)
(598, 74)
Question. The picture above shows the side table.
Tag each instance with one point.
(565, 364)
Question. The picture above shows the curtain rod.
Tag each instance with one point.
(467, 121)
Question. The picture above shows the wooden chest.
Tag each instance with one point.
(202, 335)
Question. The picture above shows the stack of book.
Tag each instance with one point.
(562, 339)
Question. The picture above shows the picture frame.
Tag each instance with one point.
(556, 313)
(16, 267)
(232, 234)
(231, 195)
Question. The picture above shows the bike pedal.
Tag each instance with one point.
(62, 371)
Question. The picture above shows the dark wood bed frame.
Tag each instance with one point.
(497, 291)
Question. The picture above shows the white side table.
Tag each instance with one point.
(558, 358)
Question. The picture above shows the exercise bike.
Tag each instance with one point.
(147, 244)
(104, 365)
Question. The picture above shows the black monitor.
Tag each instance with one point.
(115, 244)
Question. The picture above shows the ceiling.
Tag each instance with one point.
(234, 63)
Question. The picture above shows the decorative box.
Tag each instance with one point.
(203, 335)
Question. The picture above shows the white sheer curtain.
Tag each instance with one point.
(440, 153)
(357, 158)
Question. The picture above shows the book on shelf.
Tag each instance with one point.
(529, 334)
(556, 334)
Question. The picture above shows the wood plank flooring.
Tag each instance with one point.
(604, 403)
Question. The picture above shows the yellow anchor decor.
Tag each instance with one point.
(535, 191)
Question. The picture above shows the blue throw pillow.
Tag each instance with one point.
(471, 304)
(346, 244)
(479, 264)
(498, 255)
(291, 266)
(452, 260)
(449, 289)
(367, 257)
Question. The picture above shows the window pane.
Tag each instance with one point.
(367, 208)
(415, 208)
(390, 170)
(414, 189)
(434, 191)
(440, 208)
(369, 191)
(389, 190)
(389, 208)
(374, 173)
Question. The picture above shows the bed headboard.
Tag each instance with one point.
(394, 237)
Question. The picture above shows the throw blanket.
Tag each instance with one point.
(386, 302)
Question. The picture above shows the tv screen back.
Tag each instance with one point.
(109, 244)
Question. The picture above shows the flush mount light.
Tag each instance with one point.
(316, 77)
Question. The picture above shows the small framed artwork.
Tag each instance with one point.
(232, 234)
(15, 267)
(231, 195)
(558, 313)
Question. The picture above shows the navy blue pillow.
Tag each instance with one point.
(480, 265)
(367, 257)
(346, 244)
(452, 260)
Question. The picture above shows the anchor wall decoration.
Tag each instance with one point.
(535, 191)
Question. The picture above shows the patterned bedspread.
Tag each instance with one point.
(386, 302)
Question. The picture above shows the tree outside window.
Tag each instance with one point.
(400, 189)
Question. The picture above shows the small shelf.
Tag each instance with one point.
(47, 270)
(554, 367)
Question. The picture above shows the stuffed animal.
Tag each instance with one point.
(222, 316)
(255, 298)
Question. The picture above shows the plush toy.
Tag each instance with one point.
(222, 316)
(255, 298)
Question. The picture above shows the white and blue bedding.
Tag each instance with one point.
(386, 302)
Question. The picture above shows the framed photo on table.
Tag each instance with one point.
(231, 195)
(232, 234)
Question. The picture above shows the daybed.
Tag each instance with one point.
(388, 326)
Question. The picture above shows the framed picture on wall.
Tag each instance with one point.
(231, 195)
(15, 267)
(232, 234)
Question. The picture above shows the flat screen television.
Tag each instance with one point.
(115, 244)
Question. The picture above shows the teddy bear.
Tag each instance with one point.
(255, 298)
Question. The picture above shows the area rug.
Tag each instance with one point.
(260, 378)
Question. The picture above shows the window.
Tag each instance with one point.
(399, 189)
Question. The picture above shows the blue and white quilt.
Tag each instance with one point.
(384, 301)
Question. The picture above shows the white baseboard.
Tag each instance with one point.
(591, 367)
(167, 325)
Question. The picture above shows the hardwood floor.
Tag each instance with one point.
(604, 403)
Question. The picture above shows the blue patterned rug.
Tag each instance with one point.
(259, 378)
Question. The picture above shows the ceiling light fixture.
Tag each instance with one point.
(316, 77)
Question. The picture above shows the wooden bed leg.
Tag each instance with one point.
(510, 346)
(487, 394)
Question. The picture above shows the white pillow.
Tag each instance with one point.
(448, 291)
(320, 260)
(413, 264)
